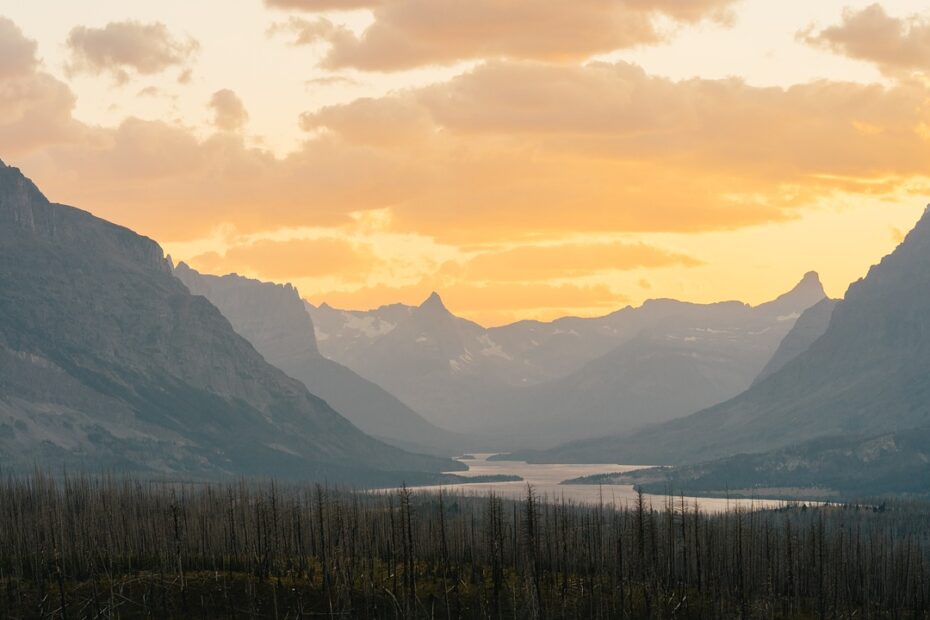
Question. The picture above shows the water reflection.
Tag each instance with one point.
(545, 479)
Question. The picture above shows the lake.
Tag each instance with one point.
(545, 479)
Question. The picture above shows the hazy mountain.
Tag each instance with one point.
(107, 361)
(444, 366)
(866, 375)
(687, 357)
(539, 384)
(342, 335)
(274, 319)
(809, 327)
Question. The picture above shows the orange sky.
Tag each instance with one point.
(527, 159)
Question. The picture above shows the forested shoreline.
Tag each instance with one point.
(91, 547)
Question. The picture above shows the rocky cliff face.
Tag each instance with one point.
(108, 361)
(270, 316)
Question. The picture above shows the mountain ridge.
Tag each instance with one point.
(863, 376)
(108, 361)
(509, 380)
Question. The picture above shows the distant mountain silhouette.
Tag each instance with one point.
(538, 384)
(693, 357)
(445, 367)
(275, 320)
(108, 362)
(865, 376)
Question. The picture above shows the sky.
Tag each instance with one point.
(527, 159)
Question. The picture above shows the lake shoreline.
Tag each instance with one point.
(548, 483)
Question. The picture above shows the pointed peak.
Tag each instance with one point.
(811, 280)
(805, 294)
(433, 299)
(434, 302)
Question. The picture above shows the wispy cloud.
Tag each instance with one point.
(127, 48)
(894, 44)
(412, 33)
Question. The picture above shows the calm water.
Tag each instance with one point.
(546, 478)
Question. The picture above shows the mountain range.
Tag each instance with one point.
(537, 384)
(861, 383)
(113, 359)
(108, 362)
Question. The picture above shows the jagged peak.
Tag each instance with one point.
(184, 270)
(806, 293)
(434, 301)
(811, 280)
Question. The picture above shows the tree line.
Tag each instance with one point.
(102, 547)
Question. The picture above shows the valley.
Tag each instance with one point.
(504, 309)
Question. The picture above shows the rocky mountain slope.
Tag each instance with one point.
(274, 319)
(108, 362)
(809, 327)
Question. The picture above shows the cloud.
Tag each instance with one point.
(398, 121)
(530, 147)
(229, 113)
(314, 6)
(412, 33)
(517, 151)
(332, 80)
(295, 258)
(126, 48)
(535, 263)
(870, 34)
(509, 151)
(35, 108)
(17, 53)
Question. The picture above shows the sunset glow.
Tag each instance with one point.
(524, 159)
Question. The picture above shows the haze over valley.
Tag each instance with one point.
(168, 353)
